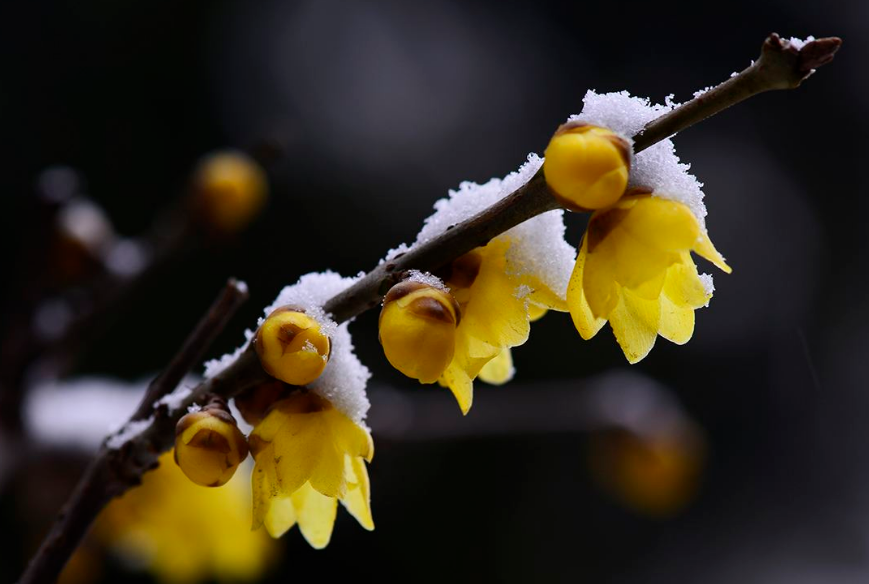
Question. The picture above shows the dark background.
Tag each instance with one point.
(381, 107)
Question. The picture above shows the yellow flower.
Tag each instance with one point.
(308, 457)
(635, 269)
(418, 329)
(292, 346)
(208, 445)
(183, 533)
(497, 306)
(586, 167)
(229, 189)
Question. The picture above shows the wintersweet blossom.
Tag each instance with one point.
(635, 270)
(308, 455)
(182, 532)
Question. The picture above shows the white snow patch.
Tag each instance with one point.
(128, 432)
(84, 221)
(657, 167)
(80, 412)
(427, 279)
(174, 400)
(537, 246)
(797, 43)
(217, 366)
(344, 380)
(127, 257)
(708, 285)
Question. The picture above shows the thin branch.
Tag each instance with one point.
(780, 66)
(114, 471)
(193, 349)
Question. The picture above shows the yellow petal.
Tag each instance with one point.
(494, 314)
(328, 475)
(583, 319)
(704, 248)
(662, 224)
(462, 386)
(536, 312)
(280, 516)
(683, 285)
(499, 370)
(350, 437)
(677, 322)
(262, 493)
(358, 498)
(635, 324)
(542, 298)
(315, 514)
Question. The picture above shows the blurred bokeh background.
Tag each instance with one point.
(366, 113)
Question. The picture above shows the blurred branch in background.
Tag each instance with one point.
(654, 456)
(80, 274)
(105, 478)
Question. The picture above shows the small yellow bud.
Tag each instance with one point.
(208, 445)
(229, 189)
(292, 346)
(418, 329)
(586, 167)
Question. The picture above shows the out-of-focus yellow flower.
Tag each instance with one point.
(418, 329)
(495, 317)
(586, 167)
(308, 457)
(655, 475)
(208, 445)
(183, 533)
(635, 269)
(229, 189)
(292, 346)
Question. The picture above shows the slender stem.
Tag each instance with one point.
(780, 66)
(113, 471)
(193, 349)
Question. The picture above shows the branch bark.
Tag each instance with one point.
(113, 471)
(780, 66)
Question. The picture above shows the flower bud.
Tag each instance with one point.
(586, 167)
(418, 329)
(208, 445)
(254, 403)
(292, 346)
(229, 189)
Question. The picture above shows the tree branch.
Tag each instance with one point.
(780, 66)
(115, 470)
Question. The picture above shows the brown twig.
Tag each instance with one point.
(779, 67)
(116, 469)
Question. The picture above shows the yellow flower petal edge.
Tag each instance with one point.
(308, 456)
(634, 269)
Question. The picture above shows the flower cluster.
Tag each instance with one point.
(633, 269)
